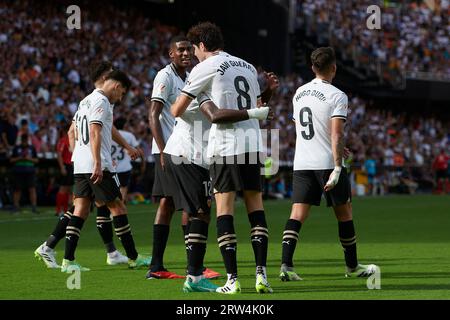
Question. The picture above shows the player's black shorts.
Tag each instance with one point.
(24, 180)
(163, 185)
(107, 190)
(236, 173)
(307, 187)
(192, 187)
(124, 178)
(68, 179)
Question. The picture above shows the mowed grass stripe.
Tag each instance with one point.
(407, 236)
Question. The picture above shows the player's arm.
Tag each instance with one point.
(338, 118)
(154, 110)
(222, 115)
(199, 80)
(180, 105)
(272, 85)
(95, 137)
(337, 147)
(117, 137)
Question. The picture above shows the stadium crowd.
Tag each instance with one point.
(413, 37)
(43, 76)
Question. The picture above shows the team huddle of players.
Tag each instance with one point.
(221, 100)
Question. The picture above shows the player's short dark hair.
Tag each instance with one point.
(121, 77)
(176, 39)
(119, 123)
(323, 59)
(208, 33)
(96, 70)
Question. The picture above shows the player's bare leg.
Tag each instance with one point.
(259, 236)
(124, 193)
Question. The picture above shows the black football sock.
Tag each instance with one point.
(105, 228)
(226, 238)
(185, 228)
(123, 232)
(60, 230)
(198, 235)
(72, 235)
(259, 236)
(160, 236)
(348, 241)
(290, 238)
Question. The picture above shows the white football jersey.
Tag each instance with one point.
(166, 88)
(95, 108)
(121, 159)
(315, 104)
(189, 138)
(232, 84)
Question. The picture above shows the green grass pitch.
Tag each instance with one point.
(407, 236)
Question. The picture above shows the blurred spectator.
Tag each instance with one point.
(370, 165)
(414, 36)
(24, 158)
(440, 166)
(42, 81)
(9, 131)
(407, 183)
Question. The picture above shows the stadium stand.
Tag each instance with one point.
(42, 81)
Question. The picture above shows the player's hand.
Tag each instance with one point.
(133, 153)
(261, 113)
(97, 174)
(161, 160)
(272, 80)
(63, 171)
(347, 153)
(334, 178)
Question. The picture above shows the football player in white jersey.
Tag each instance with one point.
(234, 148)
(121, 159)
(166, 87)
(46, 252)
(93, 169)
(320, 112)
(185, 156)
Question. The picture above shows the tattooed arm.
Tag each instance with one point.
(337, 146)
